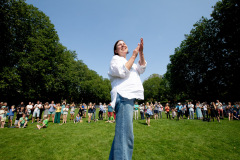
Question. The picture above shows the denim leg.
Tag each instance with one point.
(122, 146)
(192, 114)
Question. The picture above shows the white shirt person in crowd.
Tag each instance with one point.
(36, 111)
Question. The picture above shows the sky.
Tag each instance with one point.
(91, 28)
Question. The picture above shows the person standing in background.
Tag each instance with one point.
(167, 110)
(51, 111)
(142, 111)
(100, 113)
(58, 113)
(136, 106)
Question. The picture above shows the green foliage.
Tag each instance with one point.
(156, 88)
(35, 65)
(207, 63)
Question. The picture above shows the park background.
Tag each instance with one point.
(196, 59)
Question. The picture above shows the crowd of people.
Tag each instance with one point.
(18, 116)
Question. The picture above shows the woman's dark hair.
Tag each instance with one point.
(115, 47)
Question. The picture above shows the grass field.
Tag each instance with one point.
(164, 139)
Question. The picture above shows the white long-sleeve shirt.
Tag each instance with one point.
(125, 82)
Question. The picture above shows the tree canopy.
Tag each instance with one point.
(206, 66)
(35, 65)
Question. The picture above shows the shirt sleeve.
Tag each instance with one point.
(118, 68)
(140, 68)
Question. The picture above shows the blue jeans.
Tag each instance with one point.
(191, 114)
(122, 146)
(160, 114)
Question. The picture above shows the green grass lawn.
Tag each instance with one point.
(164, 139)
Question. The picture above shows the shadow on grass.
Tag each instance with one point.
(142, 123)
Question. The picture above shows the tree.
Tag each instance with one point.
(206, 65)
(35, 65)
(156, 88)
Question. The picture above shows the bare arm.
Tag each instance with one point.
(142, 59)
(133, 57)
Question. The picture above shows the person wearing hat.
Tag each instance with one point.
(179, 110)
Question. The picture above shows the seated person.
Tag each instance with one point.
(235, 115)
(44, 122)
(78, 119)
(23, 121)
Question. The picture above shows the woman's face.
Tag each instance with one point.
(121, 49)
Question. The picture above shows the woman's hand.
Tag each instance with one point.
(136, 50)
(141, 46)
(142, 59)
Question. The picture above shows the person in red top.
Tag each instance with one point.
(167, 109)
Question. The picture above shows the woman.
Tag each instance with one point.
(160, 110)
(149, 113)
(136, 106)
(145, 109)
(80, 111)
(142, 111)
(65, 113)
(46, 107)
(110, 112)
(191, 110)
(51, 111)
(186, 110)
(100, 113)
(167, 109)
(58, 113)
(230, 111)
(63, 106)
(72, 111)
(104, 110)
(205, 112)
(126, 87)
(90, 112)
(198, 111)
(156, 110)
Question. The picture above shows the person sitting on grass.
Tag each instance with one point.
(45, 122)
(78, 119)
(235, 115)
(111, 120)
(23, 121)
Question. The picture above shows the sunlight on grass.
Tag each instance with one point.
(164, 139)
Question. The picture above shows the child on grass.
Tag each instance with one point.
(111, 120)
(23, 121)
(78, 119)
(45, 122)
